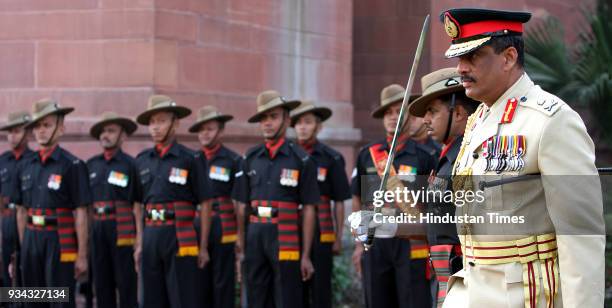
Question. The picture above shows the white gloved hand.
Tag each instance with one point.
(362, 220)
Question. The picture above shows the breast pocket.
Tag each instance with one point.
(94, 179)
(145, 177)
(506, 196)
(26, 183)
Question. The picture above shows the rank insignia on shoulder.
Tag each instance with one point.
(289, 177)
(321, 174)
(118, 179)
(178, 176)
(504, 153)
(543, 102)
(55, 181)
(219, 174)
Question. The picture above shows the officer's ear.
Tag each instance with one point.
(460, 113)
(510, 55)
(61, 128)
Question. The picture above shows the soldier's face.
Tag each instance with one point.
(15, 136)
(415, 127)
(111, 136)
(272, 121)
(307, 126)
(483, 73)
(44, 128)
(161, 125)
(209, 132)
(391, 117)
(436, 119)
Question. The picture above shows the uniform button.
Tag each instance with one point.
(475, 155)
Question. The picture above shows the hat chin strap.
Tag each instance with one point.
(163, 141)
(116, 143)
(48, 142)
(451, 109)
(276, 135)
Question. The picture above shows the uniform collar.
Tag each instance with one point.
(112, 154)
(409, 146)
(55, 154)
(221, 152)
(453, 151)
(284, 149)
(517, 90)
(172, 150)
(17, 155)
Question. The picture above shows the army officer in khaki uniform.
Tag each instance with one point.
(555, 257)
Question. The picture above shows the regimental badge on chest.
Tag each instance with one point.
(321, 174)
(407, 173)
(178, 176)
(55, 181)
(289, 177)
(504, 153)
(117, 178)
(219, 174)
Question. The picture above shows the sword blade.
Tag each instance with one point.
(398, 127)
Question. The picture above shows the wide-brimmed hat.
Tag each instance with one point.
(390, 95)
(15, 119)
(46, 107)
(308, 106)
(110, 117)
(209, 113)
(268, 100)
(158, 103)
(472, 28)
(435, 85)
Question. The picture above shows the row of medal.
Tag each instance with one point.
(504, 153)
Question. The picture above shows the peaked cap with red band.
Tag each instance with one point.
(471, 29)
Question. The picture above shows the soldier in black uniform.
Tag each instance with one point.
(394, 270)
(445, 109)
(112, 177)
(222, 165)
(172, 186)
(17, 137)
(52, 193)
(307, 120)
(279, 177)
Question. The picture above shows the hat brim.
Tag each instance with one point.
(128, 126)
(459, 49)
(221, 118)
(288, 104)
(323, 113)
(379, 112)
(180, 111)
(10, 126)
(418, 107)
(60, 111)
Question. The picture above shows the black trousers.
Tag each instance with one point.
(391, 279)
(167, 280)
(113, 267)
(218, 278)
(9, 246)
(319, 287)
(270, 282)
(41, 266)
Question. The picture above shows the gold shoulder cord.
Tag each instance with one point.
(460, 178)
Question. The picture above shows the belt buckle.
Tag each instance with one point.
(101, 210)
(264, 211)
(158, 215)
(11, 206)
(38, 220)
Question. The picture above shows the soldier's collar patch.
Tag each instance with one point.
(509, 111)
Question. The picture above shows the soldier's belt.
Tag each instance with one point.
(223, 207)
(105, 210)
(287, 225)
(542, 248)
(42, 221)
(60, 220)
(181, 215)
(9, 210)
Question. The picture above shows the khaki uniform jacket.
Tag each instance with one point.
(570, 206)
